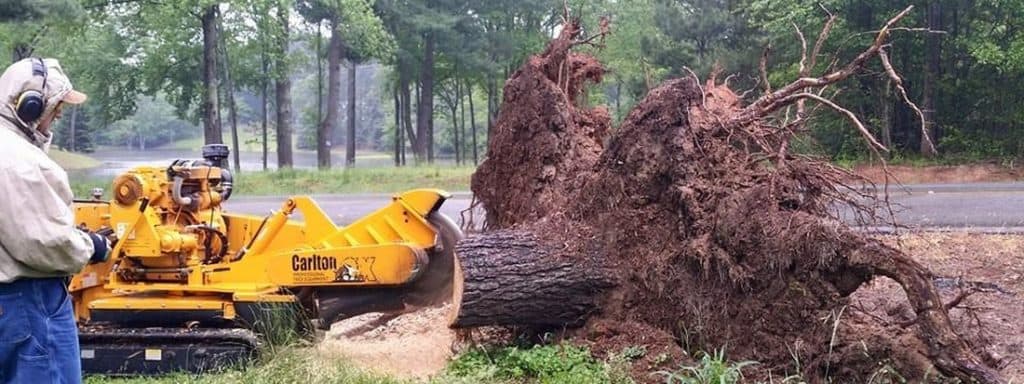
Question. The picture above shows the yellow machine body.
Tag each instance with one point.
(178, 251)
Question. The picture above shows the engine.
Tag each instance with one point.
(173, 217)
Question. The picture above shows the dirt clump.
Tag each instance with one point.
(556, 142)
(719, 237)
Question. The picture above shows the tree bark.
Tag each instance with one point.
(462, 119)
(350, 149)
(329, 124)
(319, 76)
(492, 109)
(425, 111)
(283, 92)
(472, 122)
(405, 97)
(264, 103)
(398, 127)
(931, 75)
(512, 278)
(887, 120)
(211, 116)
(455, 122)
(410, 135)
(74, 115)
(232, 110)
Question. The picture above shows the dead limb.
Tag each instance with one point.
(769, 103)
(874, 144)
(903, 92)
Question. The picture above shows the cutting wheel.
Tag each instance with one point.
(435, 285)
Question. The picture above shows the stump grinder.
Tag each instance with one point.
(188, 285)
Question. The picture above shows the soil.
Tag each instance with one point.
(990, 319)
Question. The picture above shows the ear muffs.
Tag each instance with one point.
(31, 103)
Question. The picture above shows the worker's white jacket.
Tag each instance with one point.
(38, 237)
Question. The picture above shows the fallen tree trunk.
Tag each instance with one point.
(511, 278)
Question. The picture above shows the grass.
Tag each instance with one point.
(335, 181)
(72, 161)
(290, 365)
(549, 364)
(552, 364)
(355, 180)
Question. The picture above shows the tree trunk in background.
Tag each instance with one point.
(493, 105)
(350, 149)
(455, 120)
(405, 98)
(472, 123)
(404, 94)
(325, 131)
(931, 75)
(425, 111)
(283, 92)
(211, 117)
(887, 119)
(319, 76)
(398, 127)
(462, 119)
(74, 115)
(264, 103)
(490, 106)
(232, 110)
(455, 133)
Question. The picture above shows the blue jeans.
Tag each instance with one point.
(38, 334)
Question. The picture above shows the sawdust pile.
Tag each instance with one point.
(409, 345)
(719, 238)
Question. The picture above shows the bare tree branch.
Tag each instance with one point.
(822, 36)
(804, 71)
(703, 93)
(895, 77)
(769, 103)
(876, 146)
(764, 68)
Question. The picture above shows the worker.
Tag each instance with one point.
(40, 246)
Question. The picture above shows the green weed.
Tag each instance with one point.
(550, 364)
(713, 369)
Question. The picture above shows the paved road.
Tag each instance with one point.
(988, 205)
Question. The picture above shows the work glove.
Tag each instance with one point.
(101, 245)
